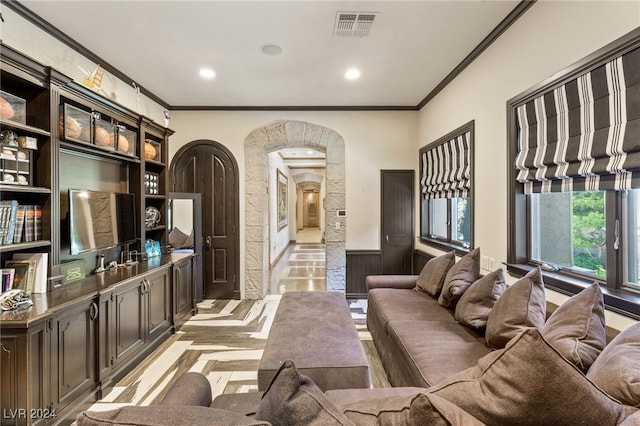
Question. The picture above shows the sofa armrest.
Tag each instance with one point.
(192, 389)
(391, 281)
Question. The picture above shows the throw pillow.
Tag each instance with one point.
(293, 399)
(459, 278)
(475, 304)
(522, 305)
(413, 409)
(529, 383)
(617, 369)
(576, 329)
(177, 238)
(434, 272)
(188, 243)
(165, 415)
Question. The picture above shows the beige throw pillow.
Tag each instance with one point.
(529, 383)
(434, 272)
(576, 329)
(617, 369)
(475, 304)
(461, 275)
(522, 305)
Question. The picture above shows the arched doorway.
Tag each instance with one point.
(272, 137)
(208, 168)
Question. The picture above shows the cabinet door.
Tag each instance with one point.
(129, 330)
(74, 342)
(158, 303)
(183, 292)
(106, 337)
(9, 378)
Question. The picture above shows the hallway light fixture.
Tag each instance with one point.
(207, 73)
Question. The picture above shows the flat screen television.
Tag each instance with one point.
(100, 220)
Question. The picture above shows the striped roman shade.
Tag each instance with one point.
(446, 168)
(585, 134)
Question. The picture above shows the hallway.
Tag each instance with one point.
(302, 266)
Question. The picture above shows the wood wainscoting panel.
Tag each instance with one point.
(361, 263)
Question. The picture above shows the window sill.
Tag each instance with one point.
(622, 302)
(444, 246)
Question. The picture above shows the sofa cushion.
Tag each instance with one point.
(522, 305)
(434, 272)
(431, 351)
(191, 388)
(293, 399)
(343, 397)
(530, 383)
(416, 409)
(617, 368)
(459, 278)
(392, 304)
(161, 415)
(475, 304)
(576, 329)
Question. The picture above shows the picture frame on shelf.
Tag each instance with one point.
(24, 274)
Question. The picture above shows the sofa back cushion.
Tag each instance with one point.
(434, 272)
(577, 328)
(617, 368)
(522, 305)
(475, 304)
(530, 383)
(461, 275)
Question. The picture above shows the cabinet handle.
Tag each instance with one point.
(5, 349)
(93, 311)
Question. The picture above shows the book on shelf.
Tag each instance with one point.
(6, 277)
(19, 231)
(7, 220)
(40, 269)
(24, 274)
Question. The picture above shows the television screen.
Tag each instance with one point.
(100, 220)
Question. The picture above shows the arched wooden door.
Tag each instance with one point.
(208, 168)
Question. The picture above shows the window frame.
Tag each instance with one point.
(618, 297)
(447, 244)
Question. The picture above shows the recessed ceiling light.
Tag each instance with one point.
(271, 49)
(310, 152)
(352, 74)
(207, 73)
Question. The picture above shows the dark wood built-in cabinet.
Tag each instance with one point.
(80, 337)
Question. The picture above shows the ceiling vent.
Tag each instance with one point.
(354, 24)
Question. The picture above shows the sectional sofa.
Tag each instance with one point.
(460, 349)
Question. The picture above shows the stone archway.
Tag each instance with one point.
(272, 137)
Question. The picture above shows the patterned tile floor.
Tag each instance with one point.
(225, 340)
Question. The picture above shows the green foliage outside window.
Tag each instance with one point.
(589, 231)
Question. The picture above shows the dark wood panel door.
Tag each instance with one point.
(397, 221)
(208, 168)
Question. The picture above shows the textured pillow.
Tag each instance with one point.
(165, 415)
(475, 304)
(177, 238)
(293, 399)
(522, 305)
(413, 409)
(529, 383)
(188, 243)
(576, 329)
(617, 368)
(459, 278)
(434, 272)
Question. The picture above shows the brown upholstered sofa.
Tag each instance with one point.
(461, 350)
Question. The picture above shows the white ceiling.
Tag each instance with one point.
(161, 44)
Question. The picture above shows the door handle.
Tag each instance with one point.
(386, 237)
(207, 241)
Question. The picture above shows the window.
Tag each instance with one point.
(446, 183)
(574, 205)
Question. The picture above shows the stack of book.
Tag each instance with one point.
(19, 222)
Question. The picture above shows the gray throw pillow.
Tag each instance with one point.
(475, 304)
(434, 272)
(461, 275)
(293, 399)
(414, 409)
(617, 368)
(576, 329)
(529, 383)
(165, 415)
(523, 304)
(177, 238)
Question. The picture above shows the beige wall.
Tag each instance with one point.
(549, 37)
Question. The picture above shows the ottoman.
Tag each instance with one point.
(315, 330)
